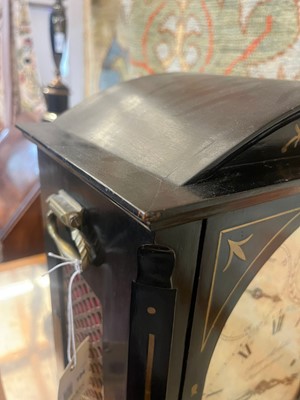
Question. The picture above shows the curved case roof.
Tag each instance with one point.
(176, 130)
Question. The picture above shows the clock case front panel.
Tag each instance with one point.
(236, 246)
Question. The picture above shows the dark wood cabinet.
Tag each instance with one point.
(21, 230)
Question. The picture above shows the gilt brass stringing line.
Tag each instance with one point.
(205, 337)
(149, 368)
(204, 341)
(260, 220)
(295, 139)
(210, 293)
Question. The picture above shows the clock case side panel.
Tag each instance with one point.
(110, 283)
(122, 258)
(236, 246)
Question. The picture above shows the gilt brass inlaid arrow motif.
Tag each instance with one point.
(236, 250)
(274, 225)
(294, 140)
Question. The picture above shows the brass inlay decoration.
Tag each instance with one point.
(151, 310)
(236, 249)
(207, 333)
(294, 140)
(149, 368)
(194, 390)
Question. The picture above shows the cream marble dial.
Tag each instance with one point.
(257, 356)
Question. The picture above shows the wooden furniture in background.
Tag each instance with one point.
(20, 211)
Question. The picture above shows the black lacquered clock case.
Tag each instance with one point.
(180, 194)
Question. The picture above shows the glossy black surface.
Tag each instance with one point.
(180, 127)
(103, 157)
(120, 237)
(122, 145)
(155, 265)
(282, 144)
(155, 202)
(151, 323)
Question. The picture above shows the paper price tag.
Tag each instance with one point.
(74, 382)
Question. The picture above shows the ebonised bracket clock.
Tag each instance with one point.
(180, 193)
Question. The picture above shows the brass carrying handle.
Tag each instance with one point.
(64, 248)
(66, 210)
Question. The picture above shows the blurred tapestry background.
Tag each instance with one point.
(259, 38)
(20, 100)
(19, 89)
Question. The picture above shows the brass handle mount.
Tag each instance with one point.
(67, 211)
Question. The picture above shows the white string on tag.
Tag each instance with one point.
(71, 349)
